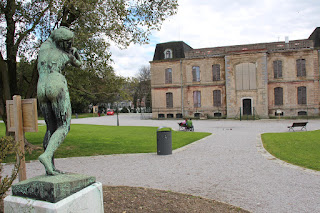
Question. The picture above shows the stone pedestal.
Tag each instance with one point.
(89, 199)
(52, 188)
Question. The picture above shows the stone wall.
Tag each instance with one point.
(259, 96)
(290, 82)
(262, 97)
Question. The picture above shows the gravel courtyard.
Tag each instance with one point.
(229, 166)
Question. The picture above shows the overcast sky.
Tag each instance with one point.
(213, 23)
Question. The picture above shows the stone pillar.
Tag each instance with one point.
(263, 90)
(230, 89)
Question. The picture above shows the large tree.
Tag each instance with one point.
(24, 25)
(142, 90)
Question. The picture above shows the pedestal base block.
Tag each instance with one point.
(89, 199)
(52, 188)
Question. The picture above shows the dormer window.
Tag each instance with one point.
(168, 53)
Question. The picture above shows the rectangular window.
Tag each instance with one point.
(195, 74)
(277, 69)
(168, 76)
(302, 95)
(169, 100)
(301, 68)
(197, 99)
(216, 72)
(217, 98)
(278, 96)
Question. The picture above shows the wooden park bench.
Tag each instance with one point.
(298, 124)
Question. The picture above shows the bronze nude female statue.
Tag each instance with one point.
(53, 95)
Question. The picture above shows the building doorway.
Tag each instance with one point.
(247, 106)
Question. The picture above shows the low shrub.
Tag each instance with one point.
(8, 146)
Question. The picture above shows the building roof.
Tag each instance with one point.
(261, 47)
(315, 36)
(178, 50)
(183, 50)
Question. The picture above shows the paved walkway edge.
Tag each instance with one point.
(268, 156)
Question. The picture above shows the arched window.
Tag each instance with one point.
(278, 96)
(216, 72)
(277, 69)
(217, 98)
(302, 95)
(302, 113)
(168, 76)
(168, 53)
(246, 76)
(169, 100)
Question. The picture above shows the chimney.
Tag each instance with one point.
(287, 41)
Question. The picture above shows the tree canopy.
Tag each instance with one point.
(24, 25)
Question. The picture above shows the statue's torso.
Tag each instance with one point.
(51, 62)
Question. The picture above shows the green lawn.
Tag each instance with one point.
(299, 148)
(90, 140)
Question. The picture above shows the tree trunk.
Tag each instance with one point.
(5, 89)
(32, 89)
(11, 47)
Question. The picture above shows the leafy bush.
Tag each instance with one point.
(8, 146)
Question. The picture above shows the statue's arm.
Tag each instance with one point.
(75, 58)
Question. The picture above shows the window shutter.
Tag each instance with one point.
(217, 98)
(301, 68)
(194, 74)
(196, 99)
(169, 100)
(277, 69)
(302, 95)
(216, 72)
(199, 99)
(168, 76)
(278, 96)
(298, 68)
(239, 77)
(245, 78)
(252, 76)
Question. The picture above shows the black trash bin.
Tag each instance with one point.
(164, 141)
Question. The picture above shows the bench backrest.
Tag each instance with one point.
(299, 124)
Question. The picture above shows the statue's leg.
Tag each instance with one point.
(50, 120)
(51, 123)
(62, 110)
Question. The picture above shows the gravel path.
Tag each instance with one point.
(229, 166)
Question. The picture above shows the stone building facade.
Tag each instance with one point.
(267, 79)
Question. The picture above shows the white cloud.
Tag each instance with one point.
(212, 23)
(127, 62)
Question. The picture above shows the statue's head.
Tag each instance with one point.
(63, 37)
